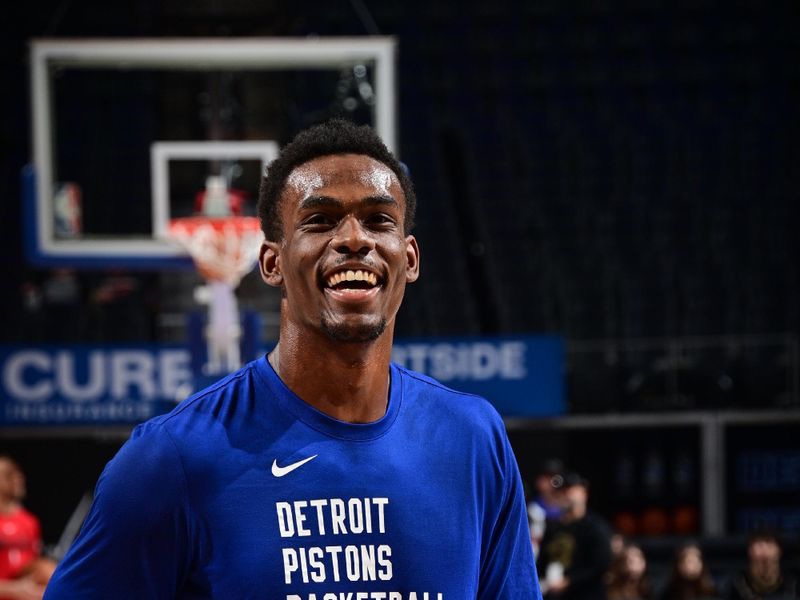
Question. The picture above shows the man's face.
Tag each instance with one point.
(574, 497)
(344, 260)
(6, 479)
(764, 551)
(635, 561)
(690, 564)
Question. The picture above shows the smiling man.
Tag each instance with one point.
(322, 471)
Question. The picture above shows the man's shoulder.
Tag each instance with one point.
(739, 585)
(434, 396)
(233, 387)
(594, 522)
(222, 405)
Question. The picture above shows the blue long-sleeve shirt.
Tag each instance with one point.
(245, 491)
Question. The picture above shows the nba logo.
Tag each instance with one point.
(67, 211)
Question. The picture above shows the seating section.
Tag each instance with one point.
(605, 178)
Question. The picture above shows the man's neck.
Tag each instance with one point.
(574, 514)
(8, 505)
(346, 381)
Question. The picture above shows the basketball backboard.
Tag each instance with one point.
(125, 132)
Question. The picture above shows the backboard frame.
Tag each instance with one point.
(153, 251)
(161, 153)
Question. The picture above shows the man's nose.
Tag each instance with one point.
(352, 238)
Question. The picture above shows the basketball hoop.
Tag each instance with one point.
(224, 248)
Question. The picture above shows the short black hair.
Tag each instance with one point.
(572, 479)
(551, 466)
(336, 136)
(764, 535)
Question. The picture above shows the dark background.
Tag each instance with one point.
(601, 170)
(593, 169)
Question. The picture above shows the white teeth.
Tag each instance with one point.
(350, 275)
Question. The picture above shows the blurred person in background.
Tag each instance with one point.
(63, 308)
(23, 572)
(576, 549)
(617, 544)
(627, 578)
(545, 504)
(763, 579)
(690, 578)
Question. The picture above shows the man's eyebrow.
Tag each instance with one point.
(380, 200)
(319, 201)
(326, 201)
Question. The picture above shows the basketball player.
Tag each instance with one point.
(323, 471)
(23, 571)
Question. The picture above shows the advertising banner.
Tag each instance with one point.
(105, 385)
(521, 376)
(91, 385)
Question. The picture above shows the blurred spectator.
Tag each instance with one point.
(31, 324)
(23, 573)
(617, 544)
(690, 579)
(545, 504)
(575, 552)
(64, 313)
(121, 309)
(763, 579)
(628, 579)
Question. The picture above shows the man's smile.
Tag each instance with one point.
(352, 285)
(349, 278)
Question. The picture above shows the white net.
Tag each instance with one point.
(223, 249)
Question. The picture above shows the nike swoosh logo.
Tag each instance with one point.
(281, 471)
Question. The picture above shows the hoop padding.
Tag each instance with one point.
(223, 248)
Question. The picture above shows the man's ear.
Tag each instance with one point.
(269, 263)
(412, 259)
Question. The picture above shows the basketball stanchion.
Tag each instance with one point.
(224, 249)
